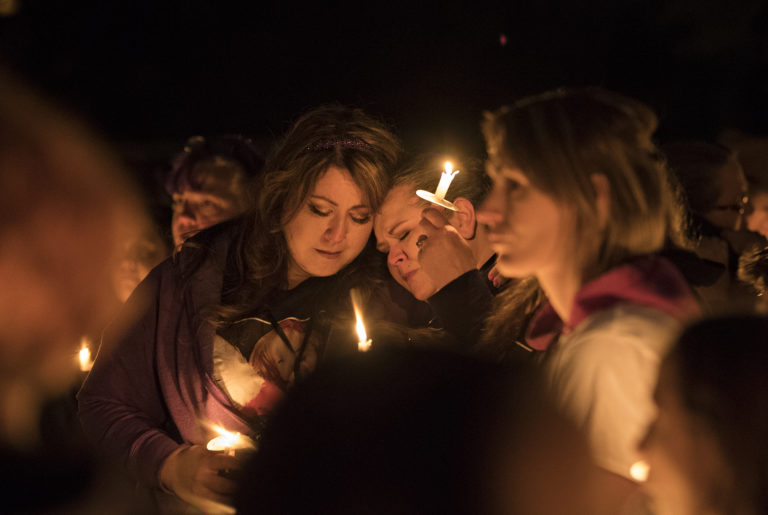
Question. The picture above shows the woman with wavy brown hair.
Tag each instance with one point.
(242, 311)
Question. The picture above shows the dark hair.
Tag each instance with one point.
(228, 164)
(696, 165)
(328, 136)
(721, 365)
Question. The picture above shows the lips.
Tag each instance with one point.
(328, 254)
(407, 276)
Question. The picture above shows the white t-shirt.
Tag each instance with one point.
(603, 375)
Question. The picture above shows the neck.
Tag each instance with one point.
(295, 275)
(480, 246)
(561, 287)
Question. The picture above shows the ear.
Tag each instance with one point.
(602, 198)
(464, 219)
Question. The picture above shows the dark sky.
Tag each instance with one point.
(157, 70)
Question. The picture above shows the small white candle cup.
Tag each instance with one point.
(229, 442)
(438, 197)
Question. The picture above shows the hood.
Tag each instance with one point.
(650, 281)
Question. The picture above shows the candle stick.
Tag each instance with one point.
(438, 197)
(363, 342)
(85, 354)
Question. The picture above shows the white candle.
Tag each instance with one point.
(85, 354)
(445, 180)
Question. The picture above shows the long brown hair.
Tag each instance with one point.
(562, 138)
(331, 135)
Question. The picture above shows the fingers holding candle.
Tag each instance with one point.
(193, 473)
(443, 253)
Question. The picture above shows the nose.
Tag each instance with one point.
(185, 211)
(492, 209)
(336, 230)
(396, 255)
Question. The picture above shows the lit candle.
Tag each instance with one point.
(363, 342)
(445, 180)
(85, 354)
(228, 441)
(639, 471)
(438, 197)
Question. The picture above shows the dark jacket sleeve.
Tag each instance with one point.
(121, 405)
(462, 306)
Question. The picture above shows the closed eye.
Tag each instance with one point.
(404, 235)
(362, 220)
(316, 210)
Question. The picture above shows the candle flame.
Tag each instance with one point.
(363, 342)
(448, 167)
(639, 471)
(85, 355)
(225, 441)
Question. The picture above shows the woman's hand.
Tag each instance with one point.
(202, 478)
(443, 254)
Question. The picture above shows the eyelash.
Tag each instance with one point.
(362, 220)
(318, 211)
(404, 235)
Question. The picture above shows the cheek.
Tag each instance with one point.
(358, 236)
(297, 233)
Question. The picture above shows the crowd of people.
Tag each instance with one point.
(574, 328)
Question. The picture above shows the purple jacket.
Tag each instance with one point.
(151, 388)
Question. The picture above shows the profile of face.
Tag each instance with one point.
(684, 459)
(529, 231)
(728, 212)
(757, 219)
(396, 235)
(137, 260)
(330, 229)
(216, 200)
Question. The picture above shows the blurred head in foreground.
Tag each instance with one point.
(707, 450)
(407, 432)
(65, 210)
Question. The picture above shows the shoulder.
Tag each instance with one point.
(623, 327)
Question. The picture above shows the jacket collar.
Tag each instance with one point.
(649, 280)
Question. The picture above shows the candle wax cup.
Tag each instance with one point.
(430, 197)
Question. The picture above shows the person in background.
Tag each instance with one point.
(140, 255)
(211, 181)
(756, 170)
(715, 193)
(242, 312)
(706, 447)
(582, 203)
(66, 207)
